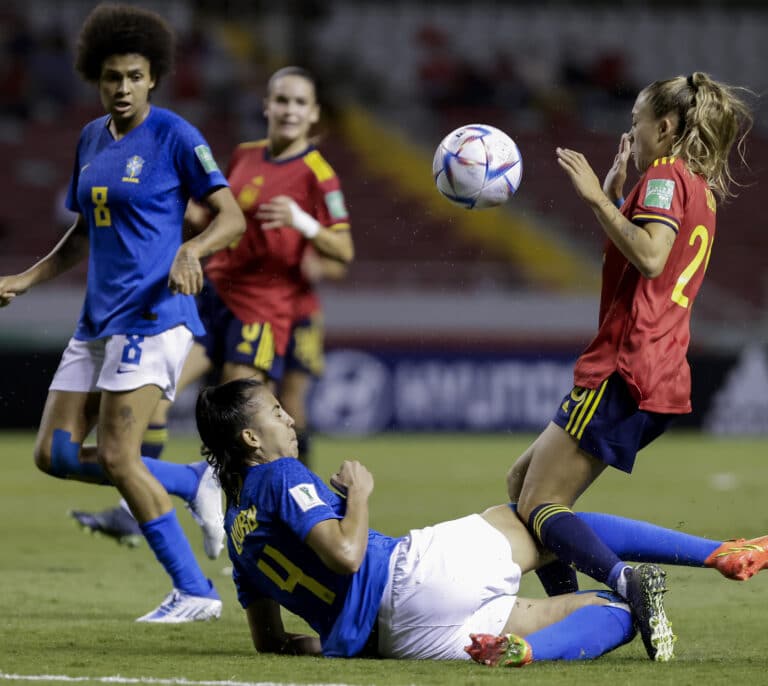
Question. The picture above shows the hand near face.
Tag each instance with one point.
(613, 186)
(581, 174)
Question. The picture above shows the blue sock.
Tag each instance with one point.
(640, 541)
(585, 634)
(65, 460)
(166, 538)
(572, 540)
(180, 480)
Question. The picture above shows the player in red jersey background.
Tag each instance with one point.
(304, 359)
(258, 292)
(633, 378)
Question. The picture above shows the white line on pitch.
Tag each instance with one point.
(143, 680)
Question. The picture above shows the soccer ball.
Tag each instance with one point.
(477, 166)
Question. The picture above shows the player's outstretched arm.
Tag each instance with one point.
(341, 543)
(647, 247)
(269, 635)
(71, 249)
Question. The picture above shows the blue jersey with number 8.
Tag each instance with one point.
(133, 193)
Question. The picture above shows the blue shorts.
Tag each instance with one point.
(607, 423)
(228, 339)
(305, 348)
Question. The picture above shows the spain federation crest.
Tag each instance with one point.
(133, 168)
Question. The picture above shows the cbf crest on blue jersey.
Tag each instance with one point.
(133, 168)
(132, 192)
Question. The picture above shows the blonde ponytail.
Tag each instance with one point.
(712, 117)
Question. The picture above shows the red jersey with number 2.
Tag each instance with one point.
(644, 327)
(259, 278)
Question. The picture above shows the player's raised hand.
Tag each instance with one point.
(186, 275)
(613, 186)
(581, 174)
(353, 476)
(10, 287)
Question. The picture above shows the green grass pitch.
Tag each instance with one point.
(68, 601)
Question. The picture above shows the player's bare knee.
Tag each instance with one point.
(114, 464)
(42, 457)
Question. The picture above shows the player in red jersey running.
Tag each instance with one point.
(256, 289)
(633, 379)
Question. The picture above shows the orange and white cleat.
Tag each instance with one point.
(499, 651)
(740, 559)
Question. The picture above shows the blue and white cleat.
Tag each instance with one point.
(206, 509)
(116, 522)
(179, 607)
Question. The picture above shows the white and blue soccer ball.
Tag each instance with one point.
(477, 166)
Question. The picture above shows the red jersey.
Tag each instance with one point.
(307, 303)
(259, 277)
(644, 325)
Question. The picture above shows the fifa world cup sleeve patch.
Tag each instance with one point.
(205, 156)
(305, 496)
(334, 201)
(658, 193)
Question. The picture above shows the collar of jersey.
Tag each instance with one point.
(268, 156)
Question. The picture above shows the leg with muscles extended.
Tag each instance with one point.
(558, 473)
(630, 539)
(67, 419)
(566, 627)
(575, 626)
(556, 577)
(122, 420)
(190, 482)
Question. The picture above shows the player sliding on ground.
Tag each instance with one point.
(296, 543)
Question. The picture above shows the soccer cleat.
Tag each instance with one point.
(179, 607)
(499, 651)
(645, 595)
(207, 511)
(115, 522)
(740, 559)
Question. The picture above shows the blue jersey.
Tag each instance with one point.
(280, 503)
(133, 193)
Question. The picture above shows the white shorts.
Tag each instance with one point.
(445, 582)
(124, 363)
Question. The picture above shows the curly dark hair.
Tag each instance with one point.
(120, 30)
(221, 415)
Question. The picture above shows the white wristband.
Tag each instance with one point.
(304, 223)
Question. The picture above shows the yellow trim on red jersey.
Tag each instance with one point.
(647, 217)
(664, 160)
(711, 202)
(321, 169)
(340, 226)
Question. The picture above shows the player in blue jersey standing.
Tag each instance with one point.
(295, 543)
(135, 170)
